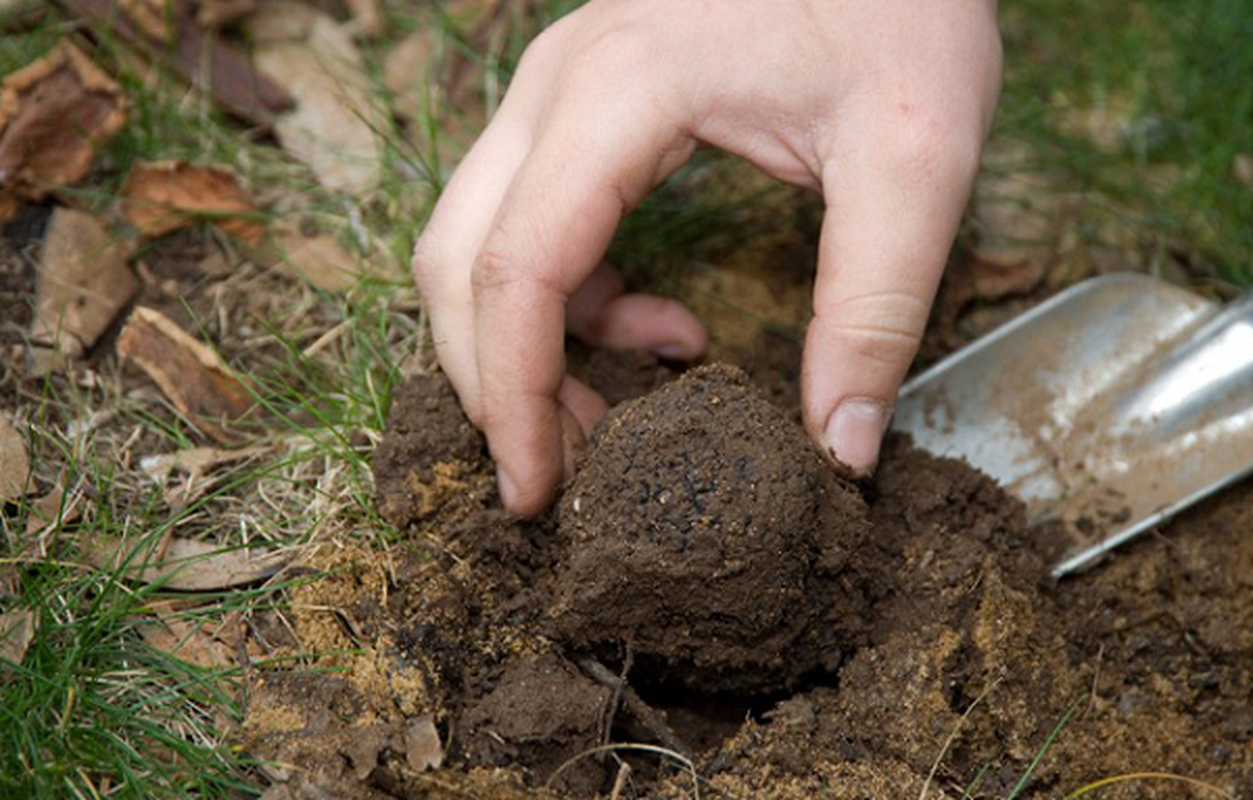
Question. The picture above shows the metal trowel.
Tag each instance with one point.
(1109, 408)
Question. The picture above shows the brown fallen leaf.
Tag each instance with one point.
(333, 126)
(17, 631)
(367, 16)
(411, 70)
(164, 196)
(55, 507)
(150, 16)
(214, 14)
(187, 641)
(82, 283)
(280, 21)
(1242, 168)
(182, 564)
(197, 464)
(190, 374)
(319, 259)
(14, 461)
(208, 62)
(54, 113)
(1017, 220)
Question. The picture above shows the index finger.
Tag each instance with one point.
(590, 165)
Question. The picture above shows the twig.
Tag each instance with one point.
(653, 722)
(636, 746)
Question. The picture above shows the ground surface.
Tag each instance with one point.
(708, 611)
(792, 634)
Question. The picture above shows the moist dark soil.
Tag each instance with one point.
(710, 611)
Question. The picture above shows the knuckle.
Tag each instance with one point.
(883, 328)
(494, 269)
(929, 144)
(423, 263)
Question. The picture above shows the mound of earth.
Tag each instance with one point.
(707, 600)
(708, 536)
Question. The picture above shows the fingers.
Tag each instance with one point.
(892, 213)
(602, 314)
(444, 255)
(549, 235)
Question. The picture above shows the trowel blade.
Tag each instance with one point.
(1108, 408)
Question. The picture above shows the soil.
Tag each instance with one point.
(709, 611)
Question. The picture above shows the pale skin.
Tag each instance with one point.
(881, 106)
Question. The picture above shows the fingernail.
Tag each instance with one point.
(673, 351)
(854, 433)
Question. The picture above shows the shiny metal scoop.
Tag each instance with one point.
(1111, 407)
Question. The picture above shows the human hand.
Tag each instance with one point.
(881, 105)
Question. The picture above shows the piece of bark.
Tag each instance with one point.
(164, 196)
(189, 373)
(54, 113)
(82, 283)
(211, 65)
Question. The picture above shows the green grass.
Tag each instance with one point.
(92, 710)
(1145, 106)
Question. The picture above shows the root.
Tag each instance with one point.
(652, 721)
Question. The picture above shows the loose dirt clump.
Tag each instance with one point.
(706, 588)
(707, 537)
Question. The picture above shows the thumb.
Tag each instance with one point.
(886, 236)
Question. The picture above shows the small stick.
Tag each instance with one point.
(650, 718)
(619, 782)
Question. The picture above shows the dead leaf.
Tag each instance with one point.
(215, 264)
(150, 16)
(1017, 220)
(409, 73)
(423, 749)
(197, 464)
(209, 62)
(1242, 168)
(214, 14)
(9, 580)
(190, 374)
(54, 113)
(14, 461)
(52, 509)
(17, 631)
(319, 259)
(472, 17)
(332, 129)
(164, 196)
(82, 283)
(183, 639)
(280, 21)
(367, 16)
(185, 565)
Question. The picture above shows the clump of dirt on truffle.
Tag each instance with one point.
(706, 534)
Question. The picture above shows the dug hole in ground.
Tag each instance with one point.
(710, 612)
